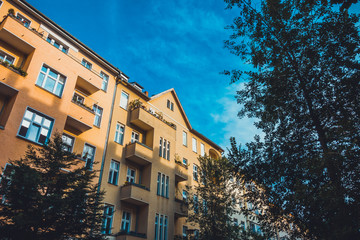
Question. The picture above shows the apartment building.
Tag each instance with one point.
(144, 147)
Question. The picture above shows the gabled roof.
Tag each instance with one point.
(172, 90)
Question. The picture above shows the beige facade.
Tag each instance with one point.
(144, 147)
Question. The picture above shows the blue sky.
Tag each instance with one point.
(163, 45)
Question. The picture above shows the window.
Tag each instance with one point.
(236, 222)
(242, 225)
(158, 184)
(68, 142)
(98, 114)
(4, 57)
(165, 227)
(196, 204)
(125, 222)
(160, 147)
(161, 227)
(130, 176)
(196, 234)
(195, 172)
(134, 137)
(164, 148)
(156, 226)
(184, 138)
(1, 3)
(105, 82)
(185, 162)
(170, 105)
(107, 220)
(163, 185)
(202, 149)
(184, 195)
(88, 155)
(86, 64)
(124, 100)
(119, 133)
(35, 126)
(114, 172)
(26, 22)
(185, 229)
(194, 143)
(57, 44)
(78, 99)
(51, 80)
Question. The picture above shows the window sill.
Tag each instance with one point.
(47, 91)
(116, 185)
(122, 144)
(30, 141)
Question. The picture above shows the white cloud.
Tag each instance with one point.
(242, 129)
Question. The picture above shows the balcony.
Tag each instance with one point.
(88, 85)
(180, 172)
(141, 118)
(146, 120)
(15, 34)
(181, 208)
(135, 194)
(80, 114)
(138, 153)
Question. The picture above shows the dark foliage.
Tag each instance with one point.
(305, 93)
(46, 195)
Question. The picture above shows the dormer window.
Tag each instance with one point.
(59, 45)
(86, 64)
(170, 105)
(26, 22)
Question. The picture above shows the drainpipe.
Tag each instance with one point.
(118, 79)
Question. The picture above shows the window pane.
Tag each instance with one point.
(50, 84)
(33, 132)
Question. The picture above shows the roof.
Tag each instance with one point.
(172, 90)
(67, 34)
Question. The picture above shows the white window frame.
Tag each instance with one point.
(107, 217)
(163, 183)
(65, 143)
(124, 100)
(185, 143)
(129, 177)
(23, 20)
(114, 172)
(89, 161)
(35, 119)
(185, 162)
(195, 172)
(86, 64)
(105, 82)
(119, 133)
(161, 226)
(98, 115)
(60, 79)
(194, 144)
(184, 230)
(62, 47)
(202, 149)
(135, 137)
(126, 221)
(7, 55)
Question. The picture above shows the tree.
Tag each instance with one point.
(211, 202)
(304, 91)
(47, 195)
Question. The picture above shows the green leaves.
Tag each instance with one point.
(305, 94)
(48, 195)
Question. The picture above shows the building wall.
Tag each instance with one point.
(38, 44)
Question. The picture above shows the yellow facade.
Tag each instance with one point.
(51, 82)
